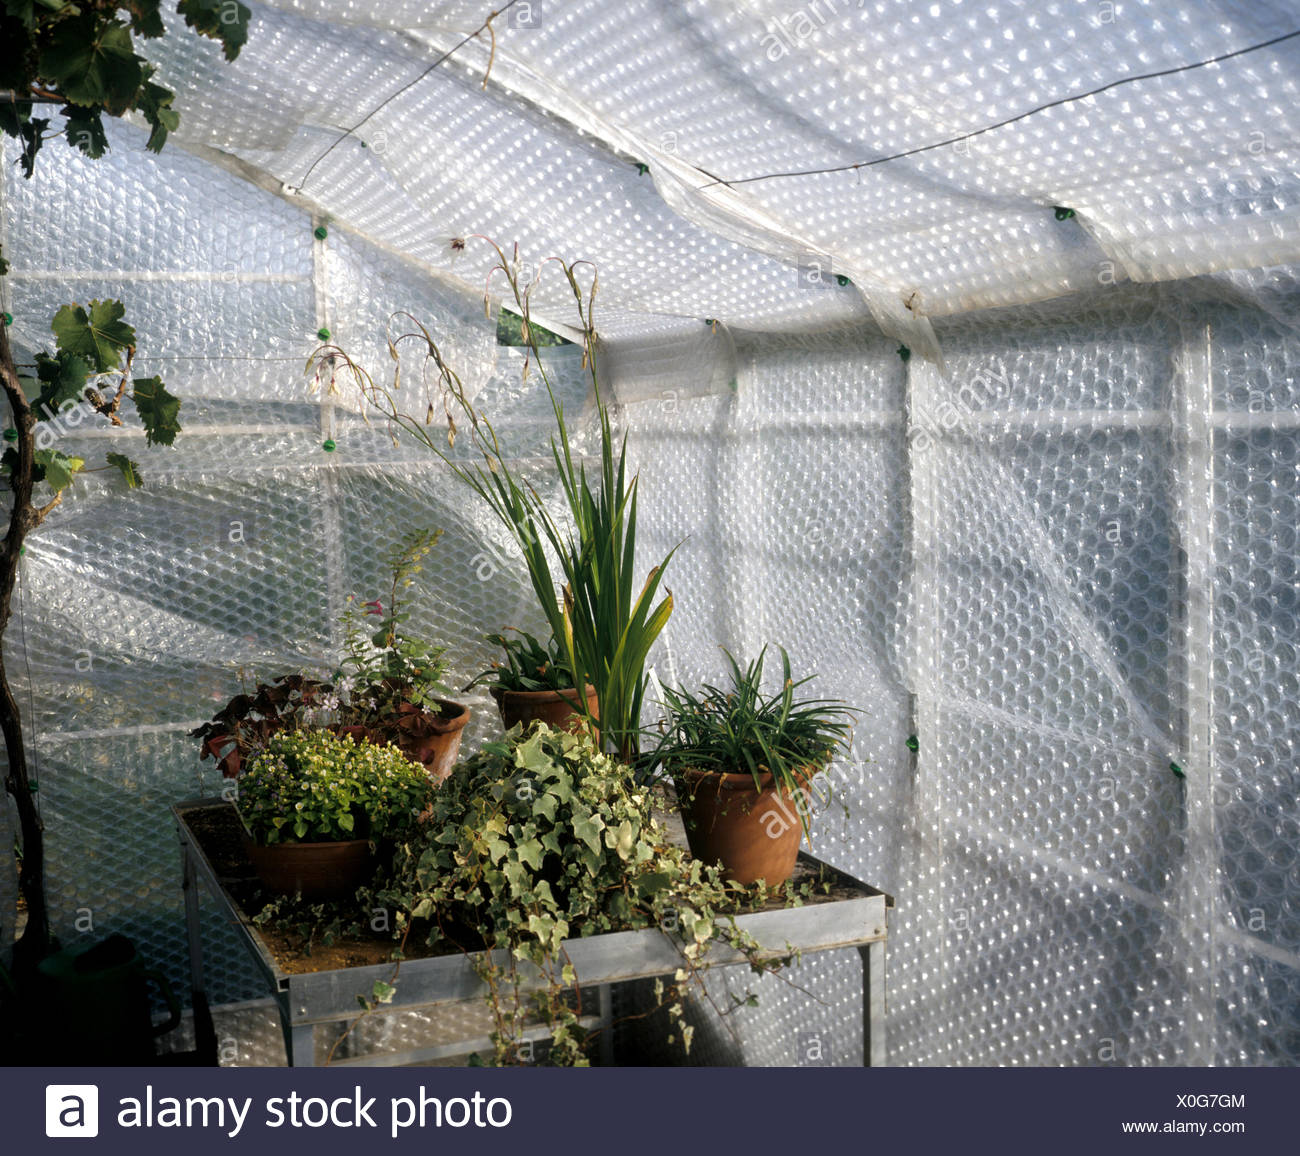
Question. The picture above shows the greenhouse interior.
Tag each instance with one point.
(887, 410)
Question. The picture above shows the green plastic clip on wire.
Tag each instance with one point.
(913, 743)
(842, 280)
(323, 333)
(328, 445)
(11, 434)
(1062, 213)
(8, 318)
(641, 169)
(1177, 770)
(320, 232)
(905, 354)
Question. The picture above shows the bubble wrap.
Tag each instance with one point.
(1057, 545)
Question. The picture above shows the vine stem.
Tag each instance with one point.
(34, 943)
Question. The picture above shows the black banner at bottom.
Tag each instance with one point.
(636, 1110)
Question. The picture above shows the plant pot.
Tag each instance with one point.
(750, 833)
(556, 708)
(432, 740)
(318, 870)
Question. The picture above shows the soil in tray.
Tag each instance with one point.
(218, 831)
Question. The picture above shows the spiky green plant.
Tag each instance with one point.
(605, 626)
(741, 729)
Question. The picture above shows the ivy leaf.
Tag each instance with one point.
(62, 377)
(588, 828)
(530, 852)
(223, 20)
(129, 470)
(158, 410)
(99, 336)
(623, 840)
(57, 468)
(92, 65)
(21, 10)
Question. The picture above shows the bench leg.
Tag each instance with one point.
(873, 1004)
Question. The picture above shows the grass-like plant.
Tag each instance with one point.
(604, 624)
(742, 729)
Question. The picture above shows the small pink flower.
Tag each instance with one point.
(376, 608)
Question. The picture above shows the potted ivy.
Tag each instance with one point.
(533, 684)
(539, 838)
(743, 764)
(314, 804)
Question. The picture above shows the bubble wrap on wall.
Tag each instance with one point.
(1008, 572)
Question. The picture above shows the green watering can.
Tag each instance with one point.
(94, 1008)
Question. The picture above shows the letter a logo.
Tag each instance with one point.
(72, 1110)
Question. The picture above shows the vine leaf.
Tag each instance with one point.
(62, 378)
(146, 19)
(158, 410)
(99, 336)
(57, 468)
(85, 129)
(220, 19)
(130, 471)
(90, 66)
(155, 103)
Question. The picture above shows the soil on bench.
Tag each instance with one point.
(217, 830)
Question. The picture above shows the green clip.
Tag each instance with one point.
(1062, 213)
(905, 354)
(913, 743)
(323, 333)
(842, 280)
(641, 169)
(1177, 770)
(11, 434)
(328, 445)
(710, 321)
(34, 785)
(9, 318)
(320, 232)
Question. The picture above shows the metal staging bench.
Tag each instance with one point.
(307, 1000)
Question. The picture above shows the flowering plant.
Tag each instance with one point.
(314, 786)
(383, 667)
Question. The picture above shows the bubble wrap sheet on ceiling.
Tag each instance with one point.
(1063, 562)
(1171, 176)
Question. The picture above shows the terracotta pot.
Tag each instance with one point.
(751, 833)
(319, 870)
(430, 739)
(556, 708)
